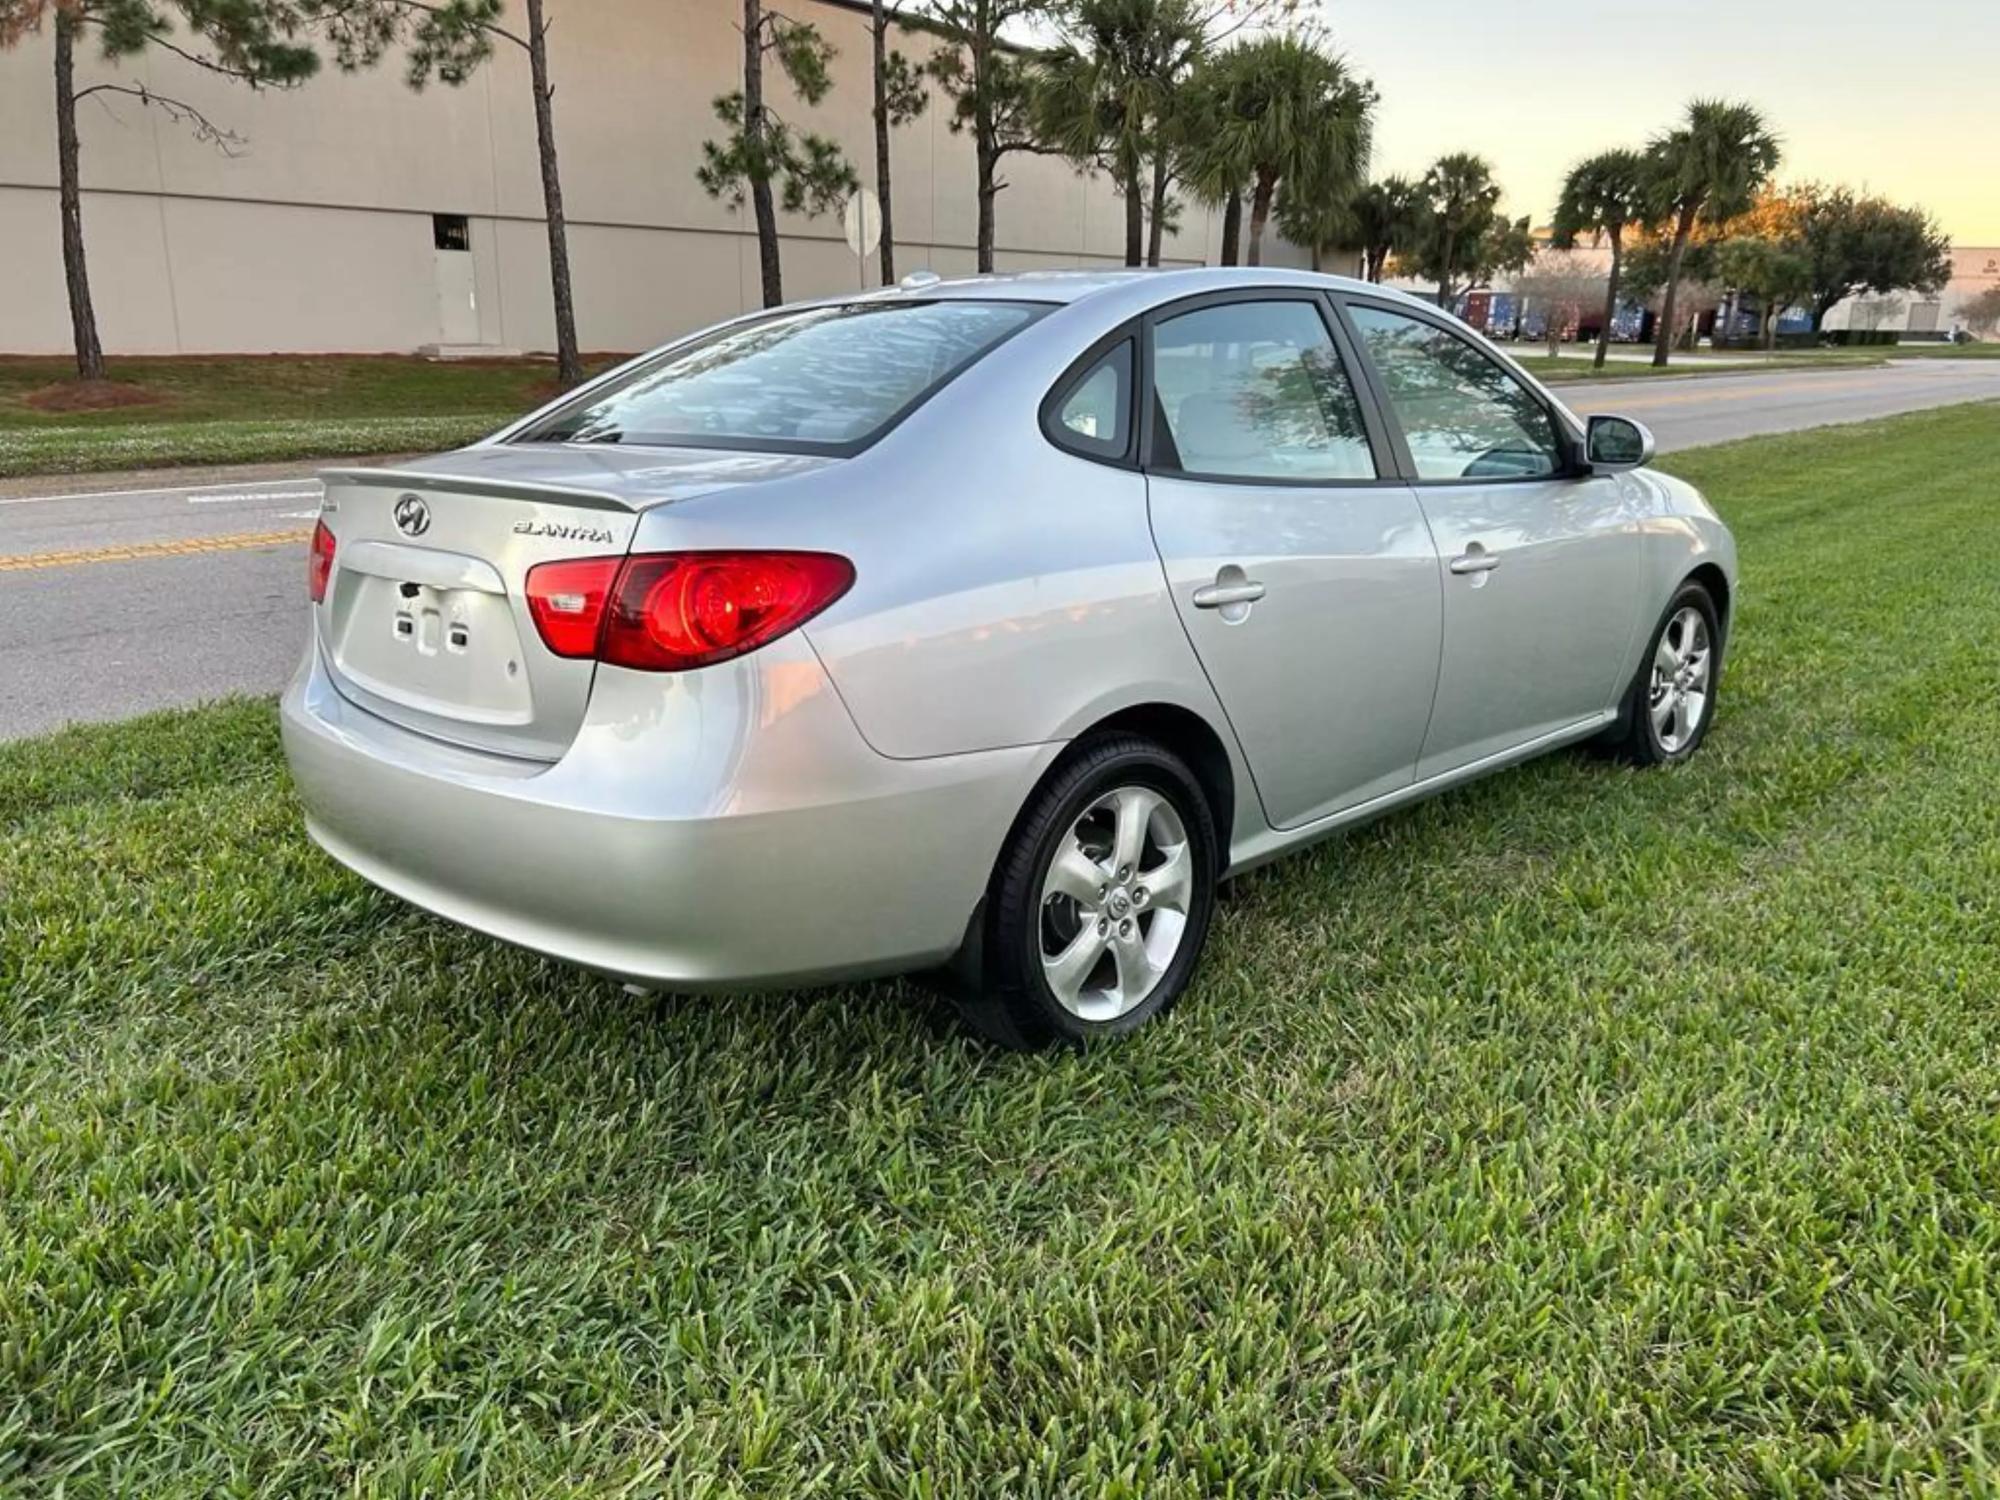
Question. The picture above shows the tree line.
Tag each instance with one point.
(1229, 103)
(1691, 212)
(1153, 92)
(1697, 207)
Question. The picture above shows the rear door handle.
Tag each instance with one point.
(1475, 559)
(1219, 595)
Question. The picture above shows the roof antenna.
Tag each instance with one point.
(916, 281)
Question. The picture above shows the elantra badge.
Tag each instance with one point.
(597, 535)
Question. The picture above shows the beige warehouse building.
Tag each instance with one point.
(1975, 270)
(358, 215)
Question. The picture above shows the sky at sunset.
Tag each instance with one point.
(1901, 99)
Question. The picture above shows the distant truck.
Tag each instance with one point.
(1495, 314)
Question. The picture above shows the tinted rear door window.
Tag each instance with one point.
(1463, 415)
(1256, 390)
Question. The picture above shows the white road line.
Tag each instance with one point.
(132, 494)
(298, 494)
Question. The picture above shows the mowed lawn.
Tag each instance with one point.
(238, 409)
(1583, 1132)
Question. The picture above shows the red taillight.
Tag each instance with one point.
(319, 563)
(567, 601)
(673, 611)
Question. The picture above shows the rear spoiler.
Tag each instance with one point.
(459, 484)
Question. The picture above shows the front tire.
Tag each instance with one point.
(1100, 905)
(1671, 702)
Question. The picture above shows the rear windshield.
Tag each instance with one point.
(823, 378)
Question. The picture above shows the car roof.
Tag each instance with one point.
(1067, 286)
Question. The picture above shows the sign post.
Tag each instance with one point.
(862, 220)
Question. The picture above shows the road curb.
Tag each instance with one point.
(186, 476)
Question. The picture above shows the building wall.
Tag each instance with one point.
(1974, 269)
(316, 233)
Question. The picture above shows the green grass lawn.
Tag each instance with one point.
(1584, 1132)
(1990, 349)
(242, 409)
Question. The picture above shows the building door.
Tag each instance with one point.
(457, 289)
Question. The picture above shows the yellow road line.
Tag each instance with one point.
(1729, 389)
(138, 551)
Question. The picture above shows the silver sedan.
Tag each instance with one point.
(983, 627)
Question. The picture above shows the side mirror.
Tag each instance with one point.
(1612, 444)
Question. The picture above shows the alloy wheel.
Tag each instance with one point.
(1683, 673)
(1115, 903)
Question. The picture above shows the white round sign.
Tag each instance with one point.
(862, 219)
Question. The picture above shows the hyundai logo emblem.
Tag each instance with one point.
(413, 517)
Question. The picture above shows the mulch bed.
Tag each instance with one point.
(92, 395)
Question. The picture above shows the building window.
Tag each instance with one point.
(451, 232)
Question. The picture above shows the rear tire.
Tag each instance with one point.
(1672, 697)
(1100, 903)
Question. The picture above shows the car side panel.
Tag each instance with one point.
(1007, 592)
(1533, 645)
(1681, 533)
(1329, 677)
(1000, 625)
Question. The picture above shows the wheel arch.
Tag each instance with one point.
(1711, 577)
(1194, 740)
(1173, 726)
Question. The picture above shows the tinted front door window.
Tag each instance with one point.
(1464, 416)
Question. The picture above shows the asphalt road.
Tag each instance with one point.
(113, 604)
(123, 594)
(1719, 408)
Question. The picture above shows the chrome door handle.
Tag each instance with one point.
(1477, 560)
(1218, 595)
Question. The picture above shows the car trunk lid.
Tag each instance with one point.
(426, 621)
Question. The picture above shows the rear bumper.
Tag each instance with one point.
(727, 828)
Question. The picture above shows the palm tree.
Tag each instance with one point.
(1103, 98)
(1458, 197)
(1600, 197)
(1212, 166)
(1278, 109)
(1318, 220)
(1709, 167)
(1384, 221)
